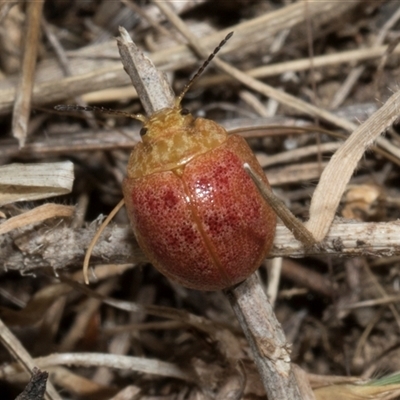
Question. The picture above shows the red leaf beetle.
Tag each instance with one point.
(195, 212)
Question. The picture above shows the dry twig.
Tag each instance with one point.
(62, 246)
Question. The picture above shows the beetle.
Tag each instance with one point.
(195, 212)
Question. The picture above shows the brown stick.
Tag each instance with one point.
(266, 338)
(21, 253)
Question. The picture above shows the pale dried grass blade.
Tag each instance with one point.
(339, 170)
(304, 64)
(22, 105)
(115, 361)
(38, 214)
(22, 182)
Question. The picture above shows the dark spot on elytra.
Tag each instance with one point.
(170, 199)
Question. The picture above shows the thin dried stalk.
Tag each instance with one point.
(292, 155)
(22, 105)
(14, 346)
(342, 165)
(137, 364)
(82, 140)
(38, 214)
(296, 173)
(63, 60)
(304, 64)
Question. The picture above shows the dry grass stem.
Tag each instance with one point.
(304, 172)
(274, 277)
(38, 214)
(137, 364)
(17, 350)
(342, 165)
(22, 103)
(297, 154)
(304, 64)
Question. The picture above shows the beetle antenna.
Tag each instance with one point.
(203, 67)
(104, 110)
